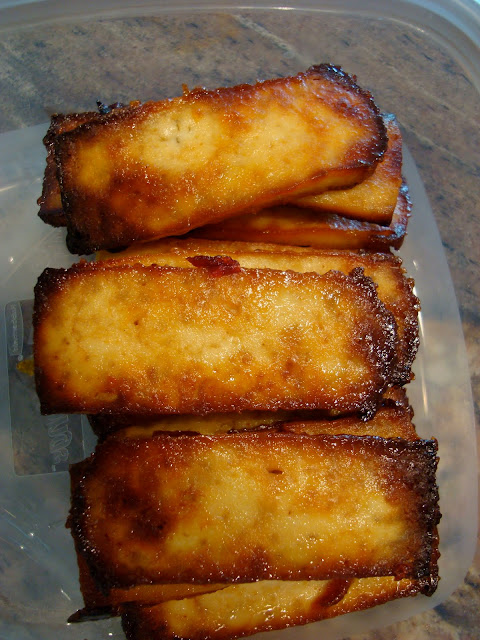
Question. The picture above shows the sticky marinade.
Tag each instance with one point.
(150, 339)
(162, 168)
(254, 506)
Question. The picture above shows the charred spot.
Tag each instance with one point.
(121, 497)
(216, 265)
(148, 524)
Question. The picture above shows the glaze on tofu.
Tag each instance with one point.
(162, 168)
(249, 506)
(244, 609)
(218, 338)
(393, 288)
(293, 225)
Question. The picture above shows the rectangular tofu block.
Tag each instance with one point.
(162, 168)
(150, 340)
(392, 420)
(393, 288)
(254, 506)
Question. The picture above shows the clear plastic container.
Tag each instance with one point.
(149, 50)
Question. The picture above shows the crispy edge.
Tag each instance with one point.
(50, 201)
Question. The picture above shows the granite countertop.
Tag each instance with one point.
(437, 106)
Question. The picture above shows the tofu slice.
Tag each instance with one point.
(393, 288)
(163, 168)
(293, 225)
(244, 609)
(374, 199)
(151, 340)
(249, 506)
(392, 419)
(379, 204)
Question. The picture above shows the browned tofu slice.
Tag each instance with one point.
(392, 419)
(375, 198)
(163, 168)
(375, 201)
(291, 225)
(394, 289)
(150, 340)
(254, 506)
(244, 609)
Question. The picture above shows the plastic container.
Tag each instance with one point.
(149, 50)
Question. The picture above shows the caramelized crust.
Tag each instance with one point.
(254, 506)
(163, 168)
(394, 289)
(150, 340)
(244, 609)
(50, 202)
(374, 199)
(291, 225)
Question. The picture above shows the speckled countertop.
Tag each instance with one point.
(43, 71)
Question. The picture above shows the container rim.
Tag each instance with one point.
(454, 24)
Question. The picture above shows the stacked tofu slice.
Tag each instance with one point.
(241, 344)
